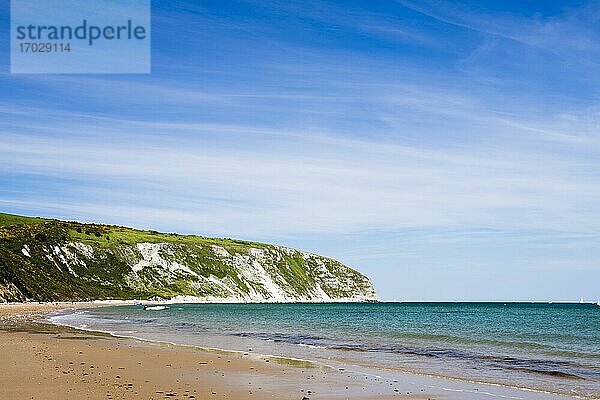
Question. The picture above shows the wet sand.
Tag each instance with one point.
(42, 361)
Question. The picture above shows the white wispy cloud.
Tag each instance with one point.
(322, 182)
(567, 34)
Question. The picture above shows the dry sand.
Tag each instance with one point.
(42, 361)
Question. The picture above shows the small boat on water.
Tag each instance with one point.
(156, 308)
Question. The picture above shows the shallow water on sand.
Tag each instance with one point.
(547, 347)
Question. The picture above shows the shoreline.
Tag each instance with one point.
(21, 321)
(48, 361)
(320, 364)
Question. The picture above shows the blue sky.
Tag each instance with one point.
(449, 150)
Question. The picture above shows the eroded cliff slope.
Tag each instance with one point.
(50, 260)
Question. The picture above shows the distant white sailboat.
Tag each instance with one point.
(581, 301)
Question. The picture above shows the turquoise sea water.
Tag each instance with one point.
(547, 347)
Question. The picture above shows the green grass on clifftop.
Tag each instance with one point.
(105, 234)
(10, 219)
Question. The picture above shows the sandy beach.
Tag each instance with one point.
(43, 361)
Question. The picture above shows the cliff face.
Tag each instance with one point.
(50, 260)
